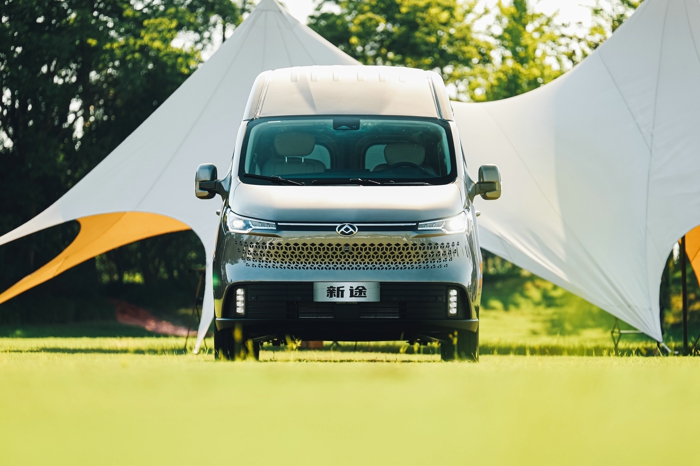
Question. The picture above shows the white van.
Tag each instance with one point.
(347, 214)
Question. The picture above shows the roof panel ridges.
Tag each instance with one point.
(350, 74)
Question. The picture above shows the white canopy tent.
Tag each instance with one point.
(598, 166)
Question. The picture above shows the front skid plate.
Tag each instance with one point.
(350, 330)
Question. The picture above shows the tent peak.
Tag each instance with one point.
(269, 5)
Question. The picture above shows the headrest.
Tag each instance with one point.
(396, 153)
(294, 144)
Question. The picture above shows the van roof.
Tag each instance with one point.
(349, 90)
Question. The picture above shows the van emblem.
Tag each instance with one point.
(346, 229)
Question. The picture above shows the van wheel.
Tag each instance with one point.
(462, 345)
(228, 347)
(223, 344)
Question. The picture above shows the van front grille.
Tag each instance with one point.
(299, 255)
(295, 300)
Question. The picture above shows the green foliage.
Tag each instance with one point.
(518, 52)
(607, 17)
(671, 300)
(76, 78)
(428, 34)
(552, 310)
(168, 258)
(73, 296)
(82, 330)
(530, 49)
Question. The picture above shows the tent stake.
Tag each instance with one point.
(685, 297)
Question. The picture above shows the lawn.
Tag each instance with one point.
(140, 400)
(103, 393)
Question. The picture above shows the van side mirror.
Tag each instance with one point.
(489, 185)
(206, 186)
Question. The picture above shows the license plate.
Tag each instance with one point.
(346, 292)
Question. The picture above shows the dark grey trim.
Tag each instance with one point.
(332, 324)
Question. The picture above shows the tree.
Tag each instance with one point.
(519, 51)
(530, 49)
(428, 34)
(607, 17)
(76, 78)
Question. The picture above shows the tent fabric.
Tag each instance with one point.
(692, 250)
(152, 171)
(98, 234)
(600, 167)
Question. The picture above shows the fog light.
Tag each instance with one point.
(240, 301)
(452, 302)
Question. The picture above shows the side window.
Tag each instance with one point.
(321, 154)
(374, 156)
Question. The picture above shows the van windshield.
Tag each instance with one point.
(347, 150)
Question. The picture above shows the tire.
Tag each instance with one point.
(229, 348)
(223, 344)
(468, 345)
(447, 349)
(462, 345)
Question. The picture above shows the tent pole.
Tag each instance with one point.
(685, 297)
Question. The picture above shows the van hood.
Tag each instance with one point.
(358, 204)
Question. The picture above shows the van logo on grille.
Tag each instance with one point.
(346, 229)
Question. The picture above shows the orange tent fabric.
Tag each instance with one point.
(692, 249)
(98, 234)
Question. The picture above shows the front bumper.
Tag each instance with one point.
(348, 330)
(405, 311)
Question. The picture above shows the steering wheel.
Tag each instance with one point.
(409, 165)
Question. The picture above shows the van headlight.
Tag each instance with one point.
(457, 224)
(237, 224)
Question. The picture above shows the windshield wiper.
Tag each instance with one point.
(359, 181)
(275, 178)
(407, 183)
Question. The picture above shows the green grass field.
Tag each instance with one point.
(141, 400)
(104, 393)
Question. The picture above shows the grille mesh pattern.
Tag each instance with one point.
(346, 256)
